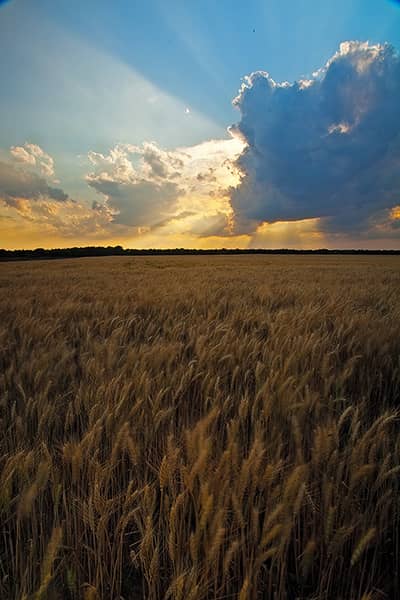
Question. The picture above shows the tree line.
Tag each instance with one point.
(88, 251)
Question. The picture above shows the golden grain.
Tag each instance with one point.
(196, 428)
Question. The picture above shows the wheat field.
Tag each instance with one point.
(200, 428)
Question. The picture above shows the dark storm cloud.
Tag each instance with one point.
(325, 147)
(16, 183)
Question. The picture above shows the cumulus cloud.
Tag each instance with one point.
(327, 147)
(148, 187)
(18, 183)
(141, 190)
(137, 184)
(34, 156)
(24, 181)
(29, 200)
(139, 204)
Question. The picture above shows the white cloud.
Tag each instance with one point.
(18, 182)
(28, 199)
(34, 156)
(141, 189)
(150, 187)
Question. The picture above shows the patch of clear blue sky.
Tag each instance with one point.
(57, 55)
(199, 49)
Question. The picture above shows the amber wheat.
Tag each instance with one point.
(200, 428)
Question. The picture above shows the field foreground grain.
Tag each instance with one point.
(200, 428)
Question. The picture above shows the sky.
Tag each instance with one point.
(202, 124)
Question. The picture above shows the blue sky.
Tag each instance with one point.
(84, 76)
(196, 51)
